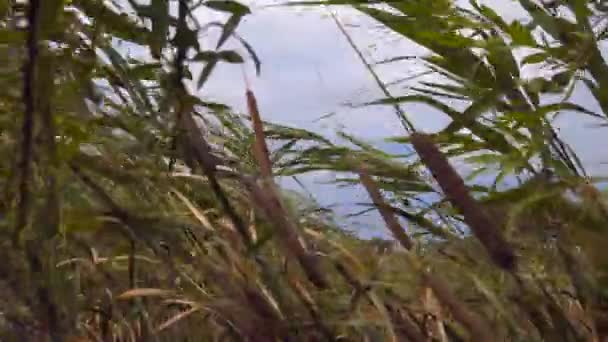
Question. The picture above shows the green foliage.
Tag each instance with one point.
(145, 217)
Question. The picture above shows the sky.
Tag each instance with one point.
(309, 70)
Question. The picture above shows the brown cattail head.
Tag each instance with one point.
(268, 200)
(453, 186)
(260, 149)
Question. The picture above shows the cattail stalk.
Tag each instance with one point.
(195, 140)
(208, 162)
(27, 128)
(453, 186)
(268, 199)
(479, 329)
(385, 210)
(475, 324)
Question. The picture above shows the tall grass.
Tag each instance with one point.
(141, 226)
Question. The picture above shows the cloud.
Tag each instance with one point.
(310, 70)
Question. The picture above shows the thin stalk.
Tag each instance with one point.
(456, 191)
(272, 204)
(385, 210)
(47, 310)
(310, 195)
(475, 324)
(598, 68)
(27, 129)
(132, 264)
(202, 149)
(267, 200)
(405, 122)
(567, 154)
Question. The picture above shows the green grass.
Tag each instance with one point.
(154, 216)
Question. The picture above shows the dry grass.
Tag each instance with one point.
(205, 282)
(119, 244)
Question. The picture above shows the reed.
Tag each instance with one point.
(482, 226)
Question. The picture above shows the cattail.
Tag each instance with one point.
(385, 211)
(260, 149)
(453, 186)
(267, 198)
(268, 201)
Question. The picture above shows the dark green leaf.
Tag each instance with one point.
(234, 7)
(521, 35)
(490, 15)
(187, 38)
(160, 26)
(205, 56)
(120, 25)
(254, 56)
(534, 58)
(145, 71)
(228, 29)
(206, 73)
(567, 106)
(230, 56)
